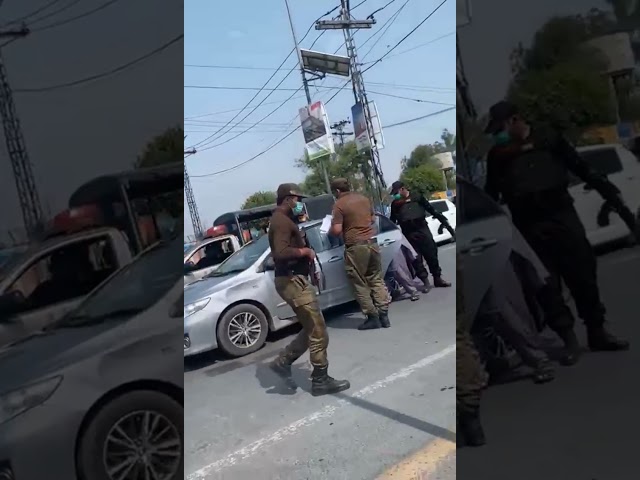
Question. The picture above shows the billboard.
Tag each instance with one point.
(616, 48)
(446, 160)
(363, 142)
(317, 133)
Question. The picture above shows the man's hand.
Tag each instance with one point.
(308, 253)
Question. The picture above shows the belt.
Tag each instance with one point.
(371, 241)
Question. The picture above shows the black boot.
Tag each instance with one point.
(600, 340)
(571, 352)
(439, 282)
(323, 384)
(471, 431)
(384, 319)
(281, 367)
(371, 323)
(544, 372)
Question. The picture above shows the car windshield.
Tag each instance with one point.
(243, 258)
(132, 290)
(10, 259)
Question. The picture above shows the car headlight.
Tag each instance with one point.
(194, 307)
(18, 401)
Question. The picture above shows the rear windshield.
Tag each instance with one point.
(605, 161)
(440, 206)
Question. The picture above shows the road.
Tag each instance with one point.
(398, 418)
(584, 425)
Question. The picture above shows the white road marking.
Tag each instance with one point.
(328, 411)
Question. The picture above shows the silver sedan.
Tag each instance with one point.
(235, 307)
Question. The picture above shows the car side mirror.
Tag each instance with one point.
(269, 264)
(11, 303)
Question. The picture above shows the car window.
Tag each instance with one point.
(475, 204)
(243, 258)
(440, 206)
(384, 224)
(321, 242)
(212, 253)
(605, 161)
(65, 274)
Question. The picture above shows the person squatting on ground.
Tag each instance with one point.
(410, 211)
(405, 267)
(294, 261)
(529, 172)
(354, 219)
(471, 378)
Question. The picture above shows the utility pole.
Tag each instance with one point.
(340, 133)
(307, 92)
(191, 200)
(346, 23)
(17, 149)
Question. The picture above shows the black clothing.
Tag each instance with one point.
(532, 178)
(286, 242)
(411, 214)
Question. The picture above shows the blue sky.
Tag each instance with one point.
(256, 33)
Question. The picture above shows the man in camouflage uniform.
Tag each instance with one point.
(471, 377)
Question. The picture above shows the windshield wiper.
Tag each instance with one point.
(218, 273)
(85, 320)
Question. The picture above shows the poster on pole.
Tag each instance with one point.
(362, 139)
(317, 133)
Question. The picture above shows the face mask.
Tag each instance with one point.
(397, 196)
(501, 138)
(298, 209)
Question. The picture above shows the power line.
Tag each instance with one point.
(416, 47)
(418, 100)
(401, 86)
(55, 12)
(403, 39)
(411, 120)
(76, 17)
(103, 74)
(33, 13)
(231, 110)
(385, 28)
(380, 9)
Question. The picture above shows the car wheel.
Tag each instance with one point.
(138, 435)
(242, 330)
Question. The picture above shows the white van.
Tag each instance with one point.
(622, 168)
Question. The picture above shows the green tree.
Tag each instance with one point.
(259, 199)
(557, 81)
(424, 154)
(425, 179)
(167, 147)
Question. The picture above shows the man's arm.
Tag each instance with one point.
(281, 249)
(393, 215)
(491, 185)
(432, 211)
(336, 222)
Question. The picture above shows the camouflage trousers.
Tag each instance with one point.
(363, 266)
(471, 377)
(300, 295)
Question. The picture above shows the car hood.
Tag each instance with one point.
(206, 287)
(47, 353)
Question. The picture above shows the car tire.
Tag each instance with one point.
(126, 410)
(255, 317)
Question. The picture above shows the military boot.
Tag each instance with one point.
(471, 431)
(439, 282)
(571, 352)
(323, 384)
(600, 340)
(281, 367)
(371, 323)
(384, 318)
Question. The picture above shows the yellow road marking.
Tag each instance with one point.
(422, 463)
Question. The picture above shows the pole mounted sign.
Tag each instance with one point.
(316, 130)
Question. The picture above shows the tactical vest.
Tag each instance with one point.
(532, 172)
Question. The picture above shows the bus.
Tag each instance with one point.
(252, 223)
(146, 204)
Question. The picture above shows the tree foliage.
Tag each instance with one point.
(424, 154)
(167, 147)
(259, 199)
(558, 81)
(424, 179)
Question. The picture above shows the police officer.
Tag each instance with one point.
(293, 260)
(410, 211)
(530, 173)
(471, 378)
(353, 218)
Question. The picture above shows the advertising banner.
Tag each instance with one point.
(360, 127)
(317, 133)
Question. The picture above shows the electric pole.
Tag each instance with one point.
(305, 83)
(346, 24)
(191, 200)
(17, 149)
(339, 131)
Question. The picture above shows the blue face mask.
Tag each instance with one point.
(397, 196)
(298, 209)
(501, 138)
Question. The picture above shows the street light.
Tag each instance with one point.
(325, 63)
(343, 24)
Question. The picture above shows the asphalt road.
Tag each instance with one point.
(584, 425)
(242, 421)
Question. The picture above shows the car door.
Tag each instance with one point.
(47, 295)
(588, 203)
(484, 236)
(330, 254)
(389, 238)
